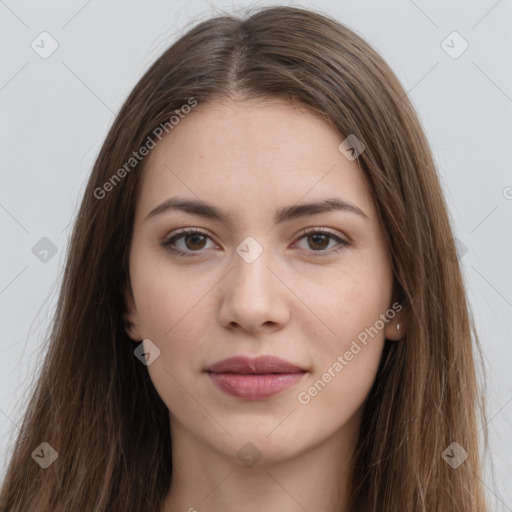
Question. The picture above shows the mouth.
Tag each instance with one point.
(255, 378)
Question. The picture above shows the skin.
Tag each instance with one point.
(299, 300)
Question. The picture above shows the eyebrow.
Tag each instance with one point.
(284, 214)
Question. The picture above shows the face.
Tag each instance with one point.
(312, 287)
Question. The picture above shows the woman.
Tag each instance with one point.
(266, 218)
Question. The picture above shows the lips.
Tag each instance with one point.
(254, 378)
(261, 364)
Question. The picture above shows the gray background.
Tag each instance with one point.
(55, 113)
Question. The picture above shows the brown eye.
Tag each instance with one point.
(318, 242)
(194, 241)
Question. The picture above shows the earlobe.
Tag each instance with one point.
(131, 331)
(130, 318)
(395, 329)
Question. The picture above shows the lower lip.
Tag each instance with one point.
(255, 386)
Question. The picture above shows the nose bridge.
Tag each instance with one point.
(250, 265)
(251, 294)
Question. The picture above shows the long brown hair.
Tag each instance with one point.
(94, 402)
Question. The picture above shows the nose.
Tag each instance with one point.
(254, 297)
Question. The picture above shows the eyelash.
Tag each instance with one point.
(308, 231)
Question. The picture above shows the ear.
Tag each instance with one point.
(396, 327)
(130, 317)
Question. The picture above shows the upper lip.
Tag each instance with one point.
(261, 365)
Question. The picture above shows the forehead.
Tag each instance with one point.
(253, 154)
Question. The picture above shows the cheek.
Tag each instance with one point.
(171, 318)
(343, 307)
(174, 311)
(176, 322)
(335, 396)
(348, 358)
(165, 295)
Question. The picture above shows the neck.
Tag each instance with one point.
(205, 480)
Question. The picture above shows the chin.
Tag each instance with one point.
(265, 441)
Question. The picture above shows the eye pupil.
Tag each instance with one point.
(195, 236)
(316, 236)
